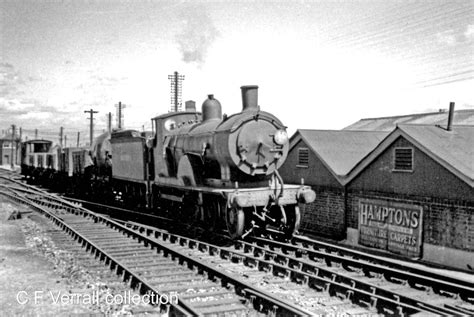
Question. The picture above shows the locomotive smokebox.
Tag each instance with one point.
(249, 97)
(211, 109)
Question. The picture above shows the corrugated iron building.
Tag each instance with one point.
(423, 172)
(323, 158)
(409, 191)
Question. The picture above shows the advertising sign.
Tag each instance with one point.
(392, 226)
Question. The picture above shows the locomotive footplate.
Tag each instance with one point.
(286, 195)
(251, 197)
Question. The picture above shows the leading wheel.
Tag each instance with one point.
(293, 216)
(235, 220)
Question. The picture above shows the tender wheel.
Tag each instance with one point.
(235, 220)
(293, 221)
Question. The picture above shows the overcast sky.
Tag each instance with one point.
(319, 64)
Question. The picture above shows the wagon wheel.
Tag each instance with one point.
(293, 220)
(235, 220)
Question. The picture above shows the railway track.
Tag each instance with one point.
(152, 268)
(370, 280)
(373, 282)
(341, 277)
(333, 281)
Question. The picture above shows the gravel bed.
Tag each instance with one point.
(92, 288)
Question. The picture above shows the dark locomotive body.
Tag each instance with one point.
(201, 168)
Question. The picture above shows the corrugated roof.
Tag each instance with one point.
(461, 117)
(452, 149)
(340, 150)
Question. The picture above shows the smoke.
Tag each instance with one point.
(197, 35)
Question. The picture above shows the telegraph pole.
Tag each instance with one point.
(36, 134)
(78, 136)
(91, 112)
(61, 131)
(109, 126)
(12, 160)
(19, 145)
(120, 106)
(176, 87)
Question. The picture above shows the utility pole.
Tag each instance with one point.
(61, 131)
(65, 141)
(12, 160)
(78, 136)
(18, 148)
(36, 134)
(176, 87)
(120, 106)
(91, 112)
(109, 126)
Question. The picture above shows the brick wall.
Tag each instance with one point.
(325, 216)
(446, 223)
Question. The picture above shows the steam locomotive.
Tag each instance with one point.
(221, 171)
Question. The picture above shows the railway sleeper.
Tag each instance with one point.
(214, 259)
(186, 287)
(147, 271)
(394, 279)
(122, 248)
(370, 303)
(448, 294)
(113, 245)
(132, 252)
(154, 277)
(189, 280)
(319, 285)
(252, 263)
(301, 279)
(221, 310)
(426, 288)
(218, 293)
(125, 247)
(139, 264)
(99, 232)
(138, 257)
(234, 301)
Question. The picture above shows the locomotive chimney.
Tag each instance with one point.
(249, 97)
(190, 105)
(211, 109)
(450, 116)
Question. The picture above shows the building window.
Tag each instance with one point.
(403, 159)
(303, 157)
(6, 144)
